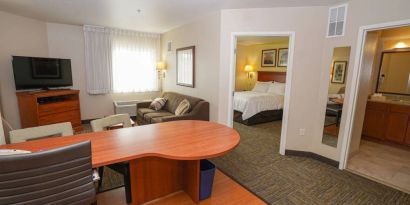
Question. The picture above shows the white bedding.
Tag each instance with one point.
(251, 103)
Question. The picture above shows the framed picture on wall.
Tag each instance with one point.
(282, 57)
(339, 72)
(268, 58)
(186, 66)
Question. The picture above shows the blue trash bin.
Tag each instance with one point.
(207, 174)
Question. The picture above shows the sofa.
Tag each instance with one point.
(199, 110)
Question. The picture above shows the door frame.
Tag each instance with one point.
(354, 91)
(289, 73)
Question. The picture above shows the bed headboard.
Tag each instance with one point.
(272, 76)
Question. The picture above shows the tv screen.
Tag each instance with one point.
(33, 72)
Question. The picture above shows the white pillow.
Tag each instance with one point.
(277, 88)
(261, 87)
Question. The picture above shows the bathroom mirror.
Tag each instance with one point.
(335, 95)
(394, 73)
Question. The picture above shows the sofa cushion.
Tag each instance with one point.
(158, 103)
(183, 107)
(149, 116)
(173, 100)
(142, 111)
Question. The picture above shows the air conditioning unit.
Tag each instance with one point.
(129, 106)
(337, 21)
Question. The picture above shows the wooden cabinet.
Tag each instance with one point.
(49, 107)
(388, 122)
(396, 126)
(374, 123)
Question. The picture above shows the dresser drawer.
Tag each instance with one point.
(69, 116)
(53, 108)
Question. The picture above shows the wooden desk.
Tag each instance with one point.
(164, 158)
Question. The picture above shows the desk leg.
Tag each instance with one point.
(191, 179)
(154, 177)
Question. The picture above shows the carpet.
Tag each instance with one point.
(257, 165)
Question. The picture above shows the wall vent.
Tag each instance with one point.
(337, 21)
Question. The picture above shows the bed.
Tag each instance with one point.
(252, 108)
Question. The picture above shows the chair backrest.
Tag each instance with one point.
(32, 133)
(58, 176)
(101, 124)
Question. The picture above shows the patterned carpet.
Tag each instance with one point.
(257, 165)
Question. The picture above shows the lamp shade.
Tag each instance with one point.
(248, 68)
(161, 65)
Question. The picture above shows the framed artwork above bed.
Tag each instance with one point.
(268, 58)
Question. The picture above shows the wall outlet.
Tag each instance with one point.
(302, 131)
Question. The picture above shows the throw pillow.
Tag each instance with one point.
(183, 107)
(261, 87)
(277, 88)
(158, 103)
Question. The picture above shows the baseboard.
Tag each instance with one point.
(313, 156)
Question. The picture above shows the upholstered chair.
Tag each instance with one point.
(57, 176)
(33, 133)
(123, 167)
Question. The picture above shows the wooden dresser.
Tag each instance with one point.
(387, 121)
(49, 107)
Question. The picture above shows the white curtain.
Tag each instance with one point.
(128, 57)
(134, 56)
(98, 64)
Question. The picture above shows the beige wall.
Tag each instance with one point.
(252, 54)
(203, 33)
(18, 36)
(67, 41)
(309, 25)
(28, 37)
(360, 13)
(339, 54)
(312, 57)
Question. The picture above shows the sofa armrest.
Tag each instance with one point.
(199, 112)
(144, 104)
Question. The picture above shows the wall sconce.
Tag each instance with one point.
(249, 71)
(161, 67)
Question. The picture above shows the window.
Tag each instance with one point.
(120, 60)
(133, 69)
(337, 20)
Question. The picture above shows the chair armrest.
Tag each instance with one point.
(144, 104)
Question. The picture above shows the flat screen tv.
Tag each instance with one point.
(44, 73)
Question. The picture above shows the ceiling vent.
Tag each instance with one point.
(337, 20)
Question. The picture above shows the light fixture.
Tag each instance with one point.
(249, 71)
(400, 45)
(161, 67)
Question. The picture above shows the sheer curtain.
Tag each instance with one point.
(130, 61)
(134, 56)
(98, 60)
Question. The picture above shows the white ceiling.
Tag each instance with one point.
(155, 16)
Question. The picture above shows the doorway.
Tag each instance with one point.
(375, 145)
(267, 65)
